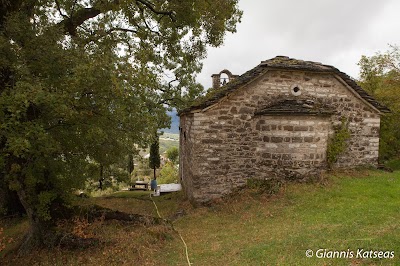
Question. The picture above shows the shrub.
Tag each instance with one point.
(168, 174)
(173, 154)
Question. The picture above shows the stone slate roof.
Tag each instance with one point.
(296, 107)
(281, 63)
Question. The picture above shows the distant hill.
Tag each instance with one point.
(174, 123)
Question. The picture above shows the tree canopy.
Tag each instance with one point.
(380, 76)
(173, 154)
(85, 81)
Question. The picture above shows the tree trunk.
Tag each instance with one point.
(131, 165)
(38, 236)
(154, 173)
(101, 179)
(39, 230)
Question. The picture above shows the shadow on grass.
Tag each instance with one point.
(393, 164)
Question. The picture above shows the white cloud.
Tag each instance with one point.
(333, 32)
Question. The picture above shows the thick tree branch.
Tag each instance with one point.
(59, 9)
(170, 100)
(143, 17)
(121, 29)
(70, 24)
(150, 6)
(78, 17)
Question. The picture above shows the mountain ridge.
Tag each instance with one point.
(174, 129)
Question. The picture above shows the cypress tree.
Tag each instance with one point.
(154, 160)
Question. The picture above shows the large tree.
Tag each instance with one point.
(86, 81)
(380, 76)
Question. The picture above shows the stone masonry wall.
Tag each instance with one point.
(186, 143)
(291, 146)
(226, 144)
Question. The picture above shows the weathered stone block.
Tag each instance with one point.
(297, 139)
(276, 156)
(288, 128)
(308, 139)
(271, 145)
(216, 126)
(276, 139)
(301, 128)
(266, 155)
(245, 110)
(211, 141)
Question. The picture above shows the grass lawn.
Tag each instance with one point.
(348, 212)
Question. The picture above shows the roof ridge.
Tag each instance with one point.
(286, 63)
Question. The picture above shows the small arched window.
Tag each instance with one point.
(224, 78)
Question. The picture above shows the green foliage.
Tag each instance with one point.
(173, 154)
(337, 143)
(168, 174)
(112, 176)
(45, 199)
(394, 164)
(142, 172)
(86, 83)
(380, 76)
(154, 159)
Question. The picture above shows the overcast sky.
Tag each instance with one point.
(333, 32)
